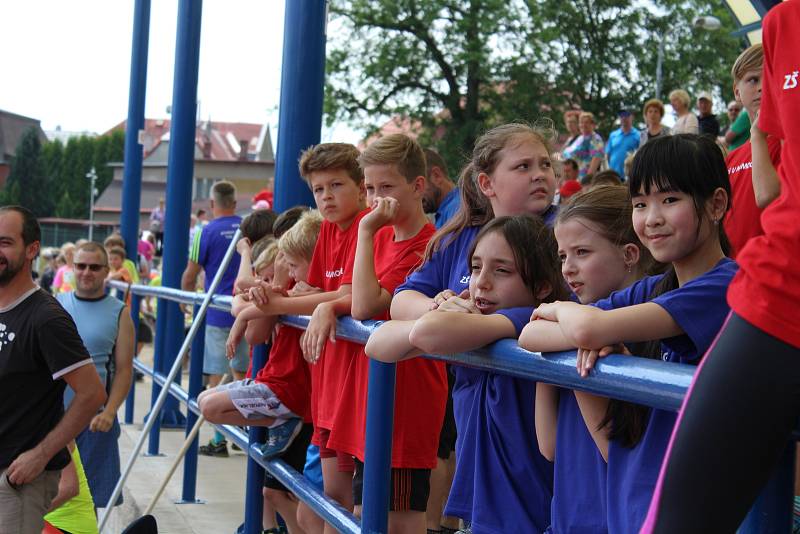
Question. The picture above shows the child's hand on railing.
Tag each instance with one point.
(301, 288)
(588, 357)
(441, 297)
(321, 328)
(235, 337)
(461, 304)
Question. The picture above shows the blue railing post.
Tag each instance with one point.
(773, 511)
(378, 452)
(158, 358)
(132, 172)
(302, 87)
(253, 500)
(195, 386)
(136, 303)
(180, 175)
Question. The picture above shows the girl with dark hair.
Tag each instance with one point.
(510, 173)
(679, 193)
(599, 253)
(742, 407)
(513, 268)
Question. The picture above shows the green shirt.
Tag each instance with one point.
(741, 127)
(77, 514)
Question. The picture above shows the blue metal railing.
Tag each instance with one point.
(644, 381)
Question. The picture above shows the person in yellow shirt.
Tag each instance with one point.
(72, 509)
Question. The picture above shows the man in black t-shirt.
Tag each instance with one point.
(40, 352)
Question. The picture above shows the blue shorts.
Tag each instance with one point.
(214, 360)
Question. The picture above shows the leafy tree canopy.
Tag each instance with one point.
(456, 67)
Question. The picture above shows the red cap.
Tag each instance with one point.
(569, 188)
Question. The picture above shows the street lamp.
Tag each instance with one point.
(92, 176)
(706, 22)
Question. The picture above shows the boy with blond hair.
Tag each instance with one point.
(752, 188)
(280, 394)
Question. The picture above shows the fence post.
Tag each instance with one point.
(773, 511)
(378, 453)
(158, 357)
(195, 386)
(136, 303)
(253, 500)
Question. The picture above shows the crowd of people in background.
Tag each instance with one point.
(621, 246)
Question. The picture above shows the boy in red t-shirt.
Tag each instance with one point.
(279, 396)
(391, 243)
(336, 180)
(743, 221)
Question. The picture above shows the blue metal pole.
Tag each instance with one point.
(773, 511)
(378, 452)
(136, 302)
(180, 165)
(132, 181)
(195, 386)
(154, 437)
(253, 501)
(302, 85)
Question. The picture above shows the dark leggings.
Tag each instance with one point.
(733, 428)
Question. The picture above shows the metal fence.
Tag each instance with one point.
(649, 382)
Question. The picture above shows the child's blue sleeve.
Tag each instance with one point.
(519, 317)
(700, 306)
(428, 279)
(636, 293)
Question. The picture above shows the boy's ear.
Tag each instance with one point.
(485, 185)
(362, 191)
(418, 184)
(543, 291)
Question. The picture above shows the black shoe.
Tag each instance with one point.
(220, 450)
(235, 447)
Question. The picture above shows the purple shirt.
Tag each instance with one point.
(208, 248)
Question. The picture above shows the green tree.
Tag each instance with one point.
(27, 181)
(456, 67)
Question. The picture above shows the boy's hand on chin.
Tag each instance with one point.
(384, 210)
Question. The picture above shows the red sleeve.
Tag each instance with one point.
(768, 117)
(407, 261)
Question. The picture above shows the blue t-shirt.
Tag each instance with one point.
(579, 480)
(700, 308)
(448, 208)
(502, 482)
(619, 145)
(208, 248)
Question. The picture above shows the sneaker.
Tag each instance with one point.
(281, 436)
(220, 450)
(235, 447)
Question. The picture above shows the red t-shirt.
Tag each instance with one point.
(766, 291)
(420, 386)
(287, 373)
(331, 267)
(743, 221)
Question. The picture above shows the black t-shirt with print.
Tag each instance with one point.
(39, 344)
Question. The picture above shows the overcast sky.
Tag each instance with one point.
(68, 63)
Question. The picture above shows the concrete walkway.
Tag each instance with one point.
(220, 481)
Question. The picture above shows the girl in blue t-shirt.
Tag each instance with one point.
(599, 253)
(510, 173)
(499, 485)
(680, 193)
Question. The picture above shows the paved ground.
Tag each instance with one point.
(220, 481)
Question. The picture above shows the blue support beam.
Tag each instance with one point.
(189, 492)
(253, 500)
(132, 180)
(180, 175)
(302, 87)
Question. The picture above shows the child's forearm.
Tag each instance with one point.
(238, 304)
(304, 305)
(389, 343)
(543, 336)
(766, 184)
(259, 330)
(245, 267)
(447, 332)
(409, 305)
(546, 415)
(593, 409)
(369, 299)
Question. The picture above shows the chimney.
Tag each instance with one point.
(206, 148)
(244, 145)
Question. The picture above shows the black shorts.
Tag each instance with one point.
(295, 456)
(410, 488)
(447, 437)
(144, 334)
